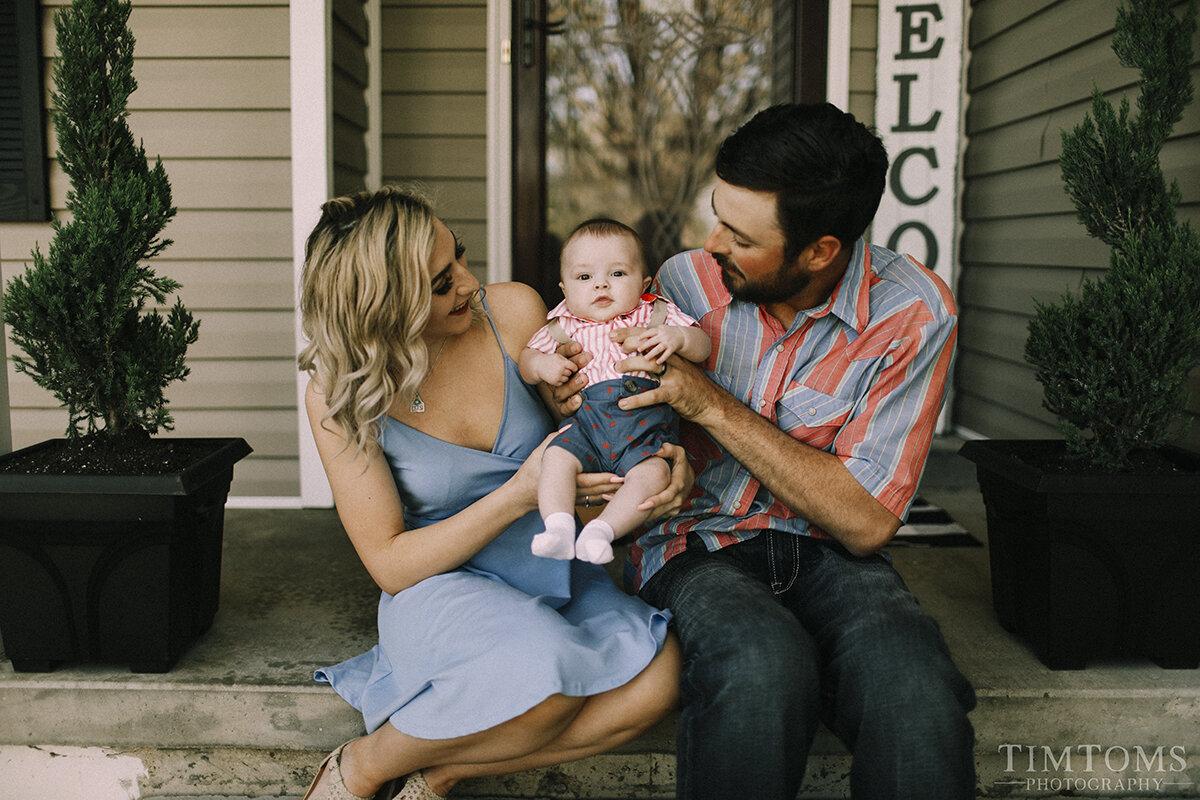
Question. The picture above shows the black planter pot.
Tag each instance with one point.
(1090, 565)
(112, 569)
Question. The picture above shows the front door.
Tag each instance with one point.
(619, 106)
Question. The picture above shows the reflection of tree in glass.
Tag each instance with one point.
(640, 94)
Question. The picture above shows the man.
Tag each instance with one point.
(808, 428)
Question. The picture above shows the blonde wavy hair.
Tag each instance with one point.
(364, 301)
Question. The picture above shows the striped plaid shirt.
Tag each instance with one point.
(862, 376)
(592, 336)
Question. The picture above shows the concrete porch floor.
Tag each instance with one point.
(240, 717)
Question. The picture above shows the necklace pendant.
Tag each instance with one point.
(418, 405)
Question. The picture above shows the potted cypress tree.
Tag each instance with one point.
(1094, 539)
(110, 539)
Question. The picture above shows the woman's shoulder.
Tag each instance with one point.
(513, 296)
(517, 310)
(314, 397)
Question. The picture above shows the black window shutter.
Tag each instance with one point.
(23, 193)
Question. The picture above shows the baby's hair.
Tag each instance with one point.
(604, 226)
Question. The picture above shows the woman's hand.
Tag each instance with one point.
(591, 488)
(596, 488)
(670, 500)
(525, 480)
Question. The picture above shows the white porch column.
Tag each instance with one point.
(312, 182)
(499, 140)
(837, 60)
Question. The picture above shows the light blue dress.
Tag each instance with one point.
(467, 650)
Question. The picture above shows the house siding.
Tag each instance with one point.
(1032, 68)
(213, 103)
(434, 110)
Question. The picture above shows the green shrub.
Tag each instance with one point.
(1114, 362)
(79, 313)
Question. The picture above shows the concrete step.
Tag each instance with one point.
(240, 717)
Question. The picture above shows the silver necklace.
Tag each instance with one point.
(418, 405)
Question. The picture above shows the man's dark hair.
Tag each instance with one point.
(825, 168)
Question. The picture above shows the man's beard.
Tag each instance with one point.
(782, 287)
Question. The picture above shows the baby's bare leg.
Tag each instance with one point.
(556, 502)
(621, 515)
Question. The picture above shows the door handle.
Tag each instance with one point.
(531, 26)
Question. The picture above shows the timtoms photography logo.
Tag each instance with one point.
(1094, 768)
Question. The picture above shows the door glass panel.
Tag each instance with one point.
(639, 94)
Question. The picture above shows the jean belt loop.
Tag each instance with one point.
(772, 565)
(785, 561)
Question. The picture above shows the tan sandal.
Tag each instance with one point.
(415, 788)
(389, 790)
(335, 787)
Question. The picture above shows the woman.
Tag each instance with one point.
(490, 660)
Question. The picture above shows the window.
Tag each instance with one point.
(23, 193)
(620, 105)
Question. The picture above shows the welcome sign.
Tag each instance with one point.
(917, 113)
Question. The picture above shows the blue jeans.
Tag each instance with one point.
(781, 632)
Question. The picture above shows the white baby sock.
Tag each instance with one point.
(558, 540)
(595, 543)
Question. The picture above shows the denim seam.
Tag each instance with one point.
(778, 587)
(771, 562)
(794, 541)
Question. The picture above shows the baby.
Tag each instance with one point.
(604, 278)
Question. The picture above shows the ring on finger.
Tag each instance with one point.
(663, 371)
(587, 501)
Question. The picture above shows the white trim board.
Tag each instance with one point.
(312, 183)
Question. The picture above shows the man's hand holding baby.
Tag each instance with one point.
(682, 383)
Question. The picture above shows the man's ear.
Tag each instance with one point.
(825, 251)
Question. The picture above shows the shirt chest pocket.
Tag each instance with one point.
(811, 416)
